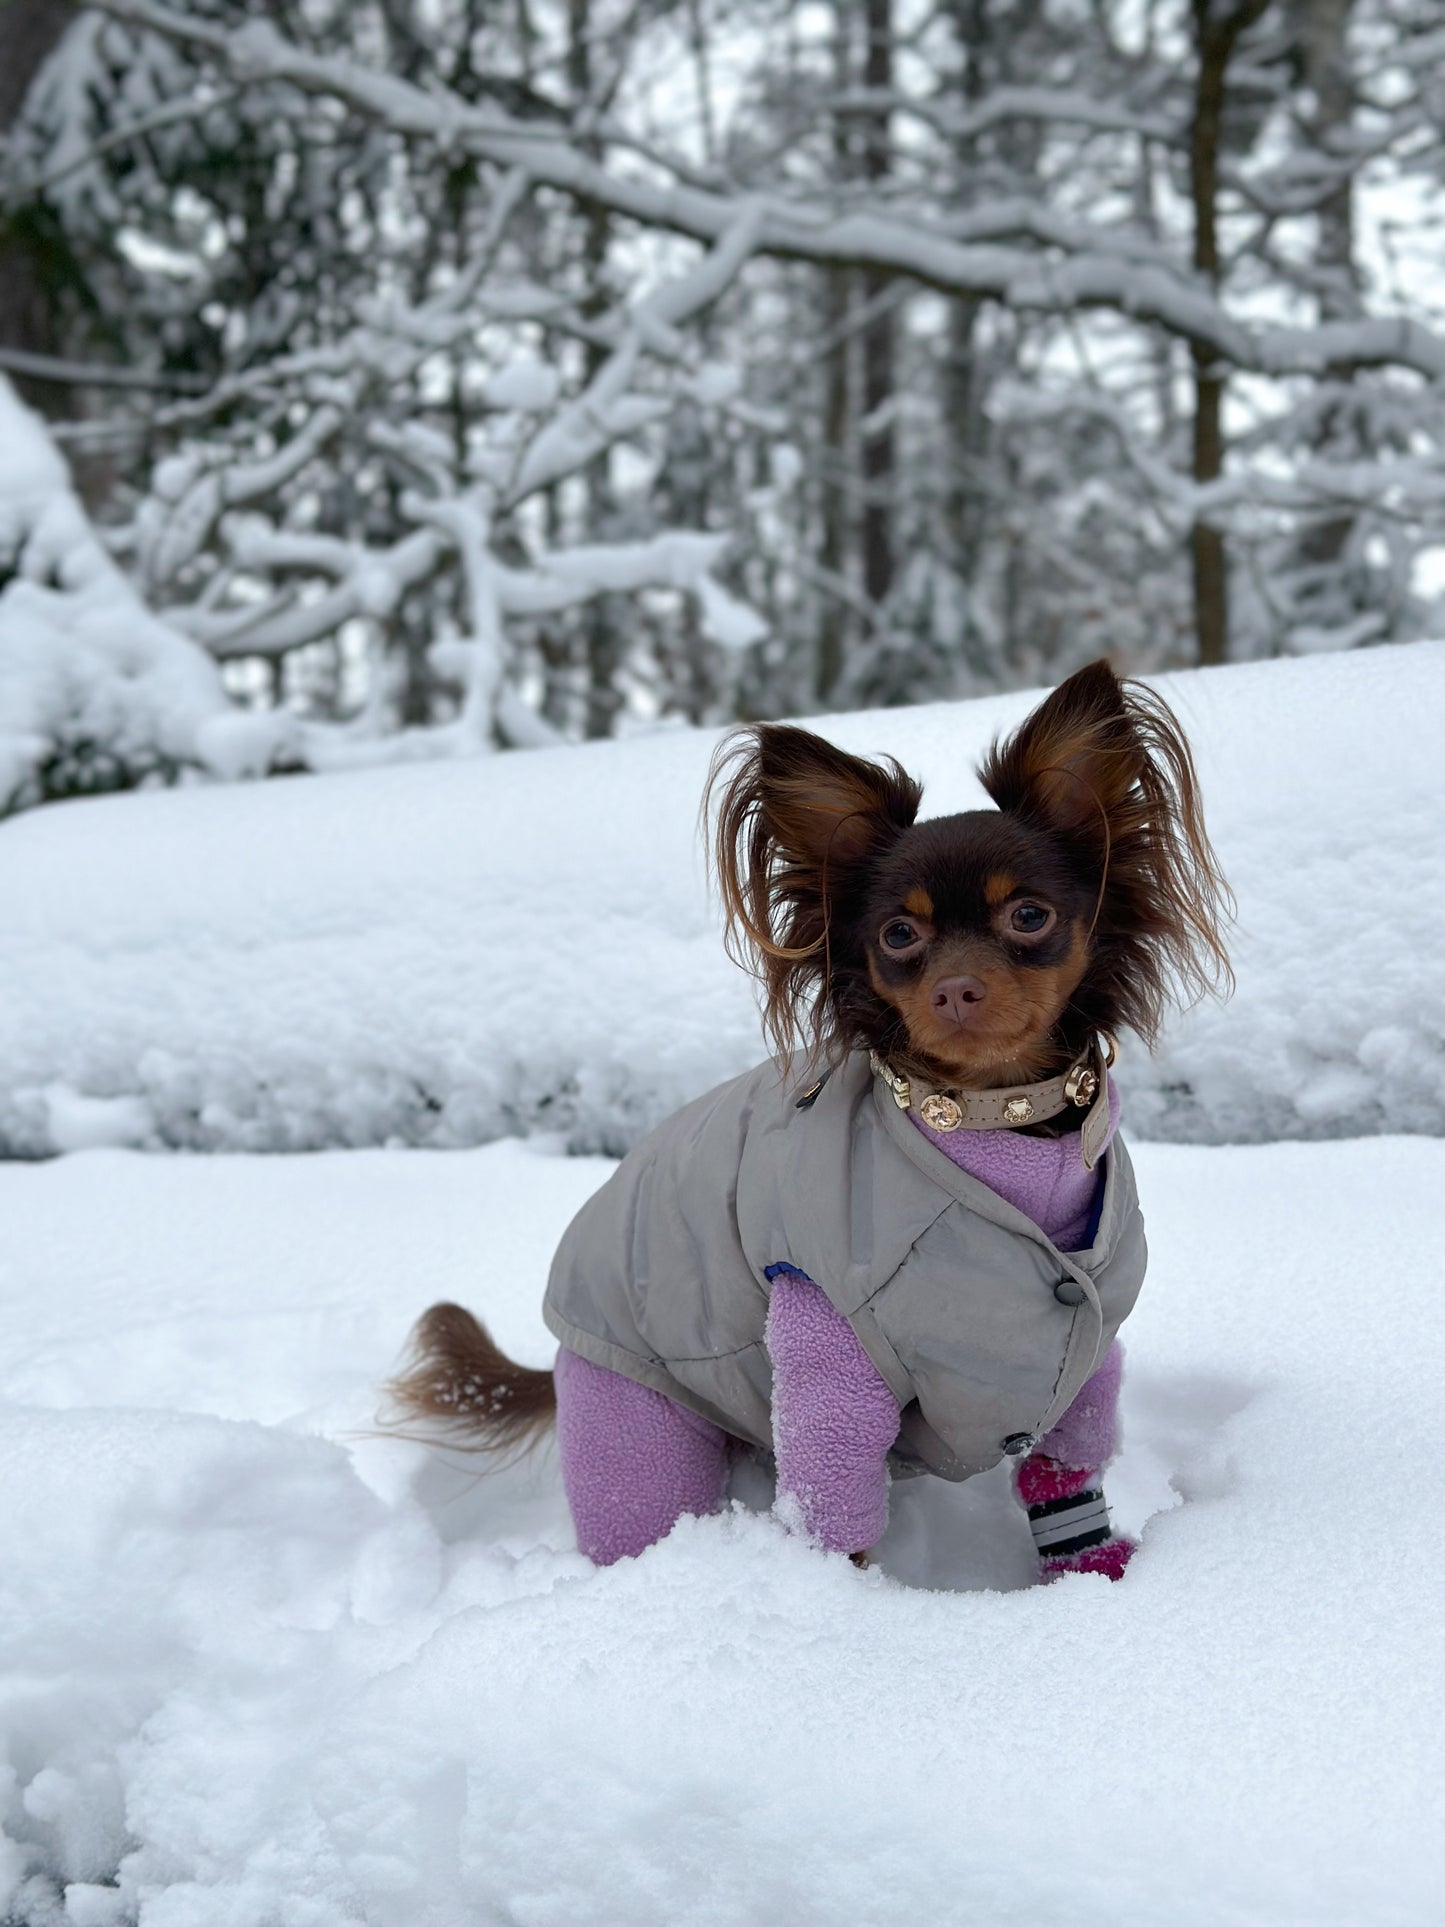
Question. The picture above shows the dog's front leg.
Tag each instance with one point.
(1061, 1483)
(834, 1418)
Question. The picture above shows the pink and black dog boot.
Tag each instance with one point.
(1069, 1519)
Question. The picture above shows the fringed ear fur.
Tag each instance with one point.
(1075, 758)
(795, 822)
(1104, 764)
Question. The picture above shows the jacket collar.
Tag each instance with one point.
(1118, 1200)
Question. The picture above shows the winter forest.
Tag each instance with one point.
(440, 377)
(428, 429)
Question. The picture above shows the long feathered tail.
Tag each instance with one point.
(457, 1378)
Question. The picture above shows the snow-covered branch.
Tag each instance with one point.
(499, 345)
(94, 374)
(1055, 106)
(800, 228)
(606, 411)
(95, 691)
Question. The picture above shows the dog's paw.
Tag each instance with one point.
(1110, 1558)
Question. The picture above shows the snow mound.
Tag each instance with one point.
(444, 954)
(256, 1666)
(95, 692)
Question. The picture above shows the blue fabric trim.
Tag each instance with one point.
(1096, 1210)
(770, 1272)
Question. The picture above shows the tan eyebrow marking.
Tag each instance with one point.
(999, 889)
(919, 903)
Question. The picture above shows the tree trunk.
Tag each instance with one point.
(1210, 562)
(29, 30)
(1326, 72)
(966, 500)
(1215, 41)
(837, 625)
(859, 443)
(879, 331)
(605, 634)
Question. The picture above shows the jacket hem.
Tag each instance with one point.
(642, 1370)
(600, 1351)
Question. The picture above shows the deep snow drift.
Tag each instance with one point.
(442, 955)
(264, 1672)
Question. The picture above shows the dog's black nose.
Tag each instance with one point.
(956, 998)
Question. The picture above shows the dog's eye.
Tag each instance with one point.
(899, 936)
(1031, 918)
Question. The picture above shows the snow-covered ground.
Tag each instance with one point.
(444, 954)
(263, 1670)
(261, 1666)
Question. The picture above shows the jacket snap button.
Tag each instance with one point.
(1017, 1443)
(1069, 1291)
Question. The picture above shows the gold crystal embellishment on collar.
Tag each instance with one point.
(941, 1113)
(1018, 1110)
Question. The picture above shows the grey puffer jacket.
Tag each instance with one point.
(983, 1330)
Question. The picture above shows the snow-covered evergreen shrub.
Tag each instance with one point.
(95, 692)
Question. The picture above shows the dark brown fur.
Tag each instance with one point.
(1097, 799)
(815, 851)
(797, 825)
(1104, 763)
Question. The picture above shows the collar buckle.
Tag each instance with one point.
(1081, 1086)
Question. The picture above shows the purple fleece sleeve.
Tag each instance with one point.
(1088, 1433)
(834, 1418)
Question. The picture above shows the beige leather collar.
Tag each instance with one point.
(1083, 1086)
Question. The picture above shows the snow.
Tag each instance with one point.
(262, 1663)
(526, 384)
(78, 1123)
(728, 621)
(98, 693)
(258, 1665)
(442, 954)
(1087, 263)
(89, 679)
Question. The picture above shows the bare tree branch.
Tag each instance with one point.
(95, 374)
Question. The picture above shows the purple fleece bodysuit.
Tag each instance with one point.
(634, 1461)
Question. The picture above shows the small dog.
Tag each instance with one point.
(907, 1243)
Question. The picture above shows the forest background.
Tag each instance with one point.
(435, 376)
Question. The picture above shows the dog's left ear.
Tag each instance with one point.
(1104, 764)
(1072, 763)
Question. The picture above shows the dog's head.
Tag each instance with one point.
(982, 948)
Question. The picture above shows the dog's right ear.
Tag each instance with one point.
(796, 821)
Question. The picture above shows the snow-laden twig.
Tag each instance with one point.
(605, 411)
(803, 228)
(95, 690)
(480, 657)
(96, 374)
(19, 188)
(372, 585)
(1064, 106)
